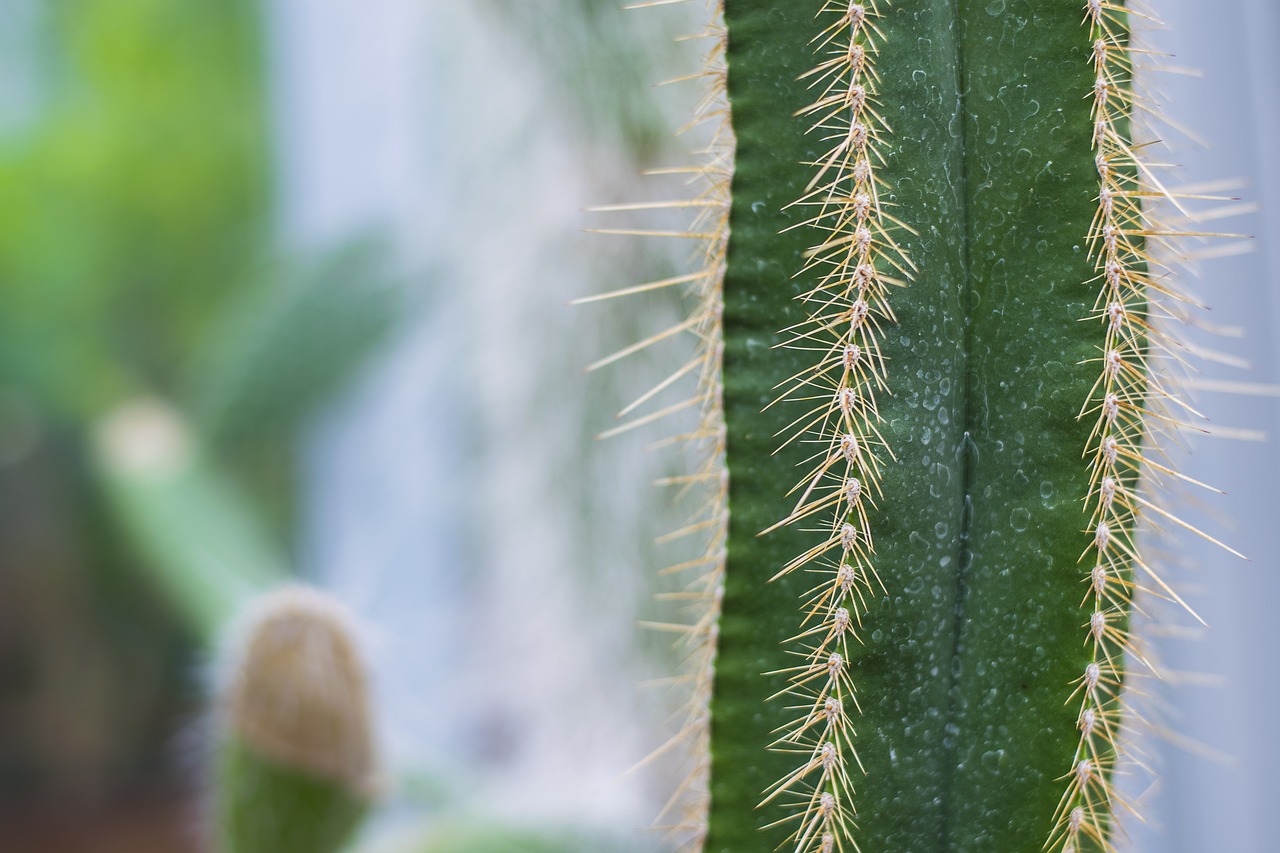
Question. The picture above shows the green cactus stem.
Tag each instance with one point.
(931, 329)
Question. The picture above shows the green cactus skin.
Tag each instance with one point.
(971, 647)
(268, 806)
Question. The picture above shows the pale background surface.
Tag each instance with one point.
(1225, 801)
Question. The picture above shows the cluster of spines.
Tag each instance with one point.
(684, 816)
(1132, 407)
(855, 263)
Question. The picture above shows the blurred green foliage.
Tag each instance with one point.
(485, 835)
(136, 269)
(284, 346)
(134, 195)
(134, 265)
(131, 200)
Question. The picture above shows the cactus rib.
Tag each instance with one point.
(856, 264)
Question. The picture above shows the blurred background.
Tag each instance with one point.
(288, 280)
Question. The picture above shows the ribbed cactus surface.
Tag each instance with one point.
(931, 351)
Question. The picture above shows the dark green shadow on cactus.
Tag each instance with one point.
(966, 665)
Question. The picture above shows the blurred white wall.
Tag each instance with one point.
(351, 95)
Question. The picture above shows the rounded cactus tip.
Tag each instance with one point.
(297, 691)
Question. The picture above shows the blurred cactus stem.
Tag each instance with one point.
(199, 540)
(296, 768)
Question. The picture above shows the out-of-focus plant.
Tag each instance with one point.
(150, 353)
(134, 198)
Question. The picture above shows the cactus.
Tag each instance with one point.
(933, 319)
(296, 767)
